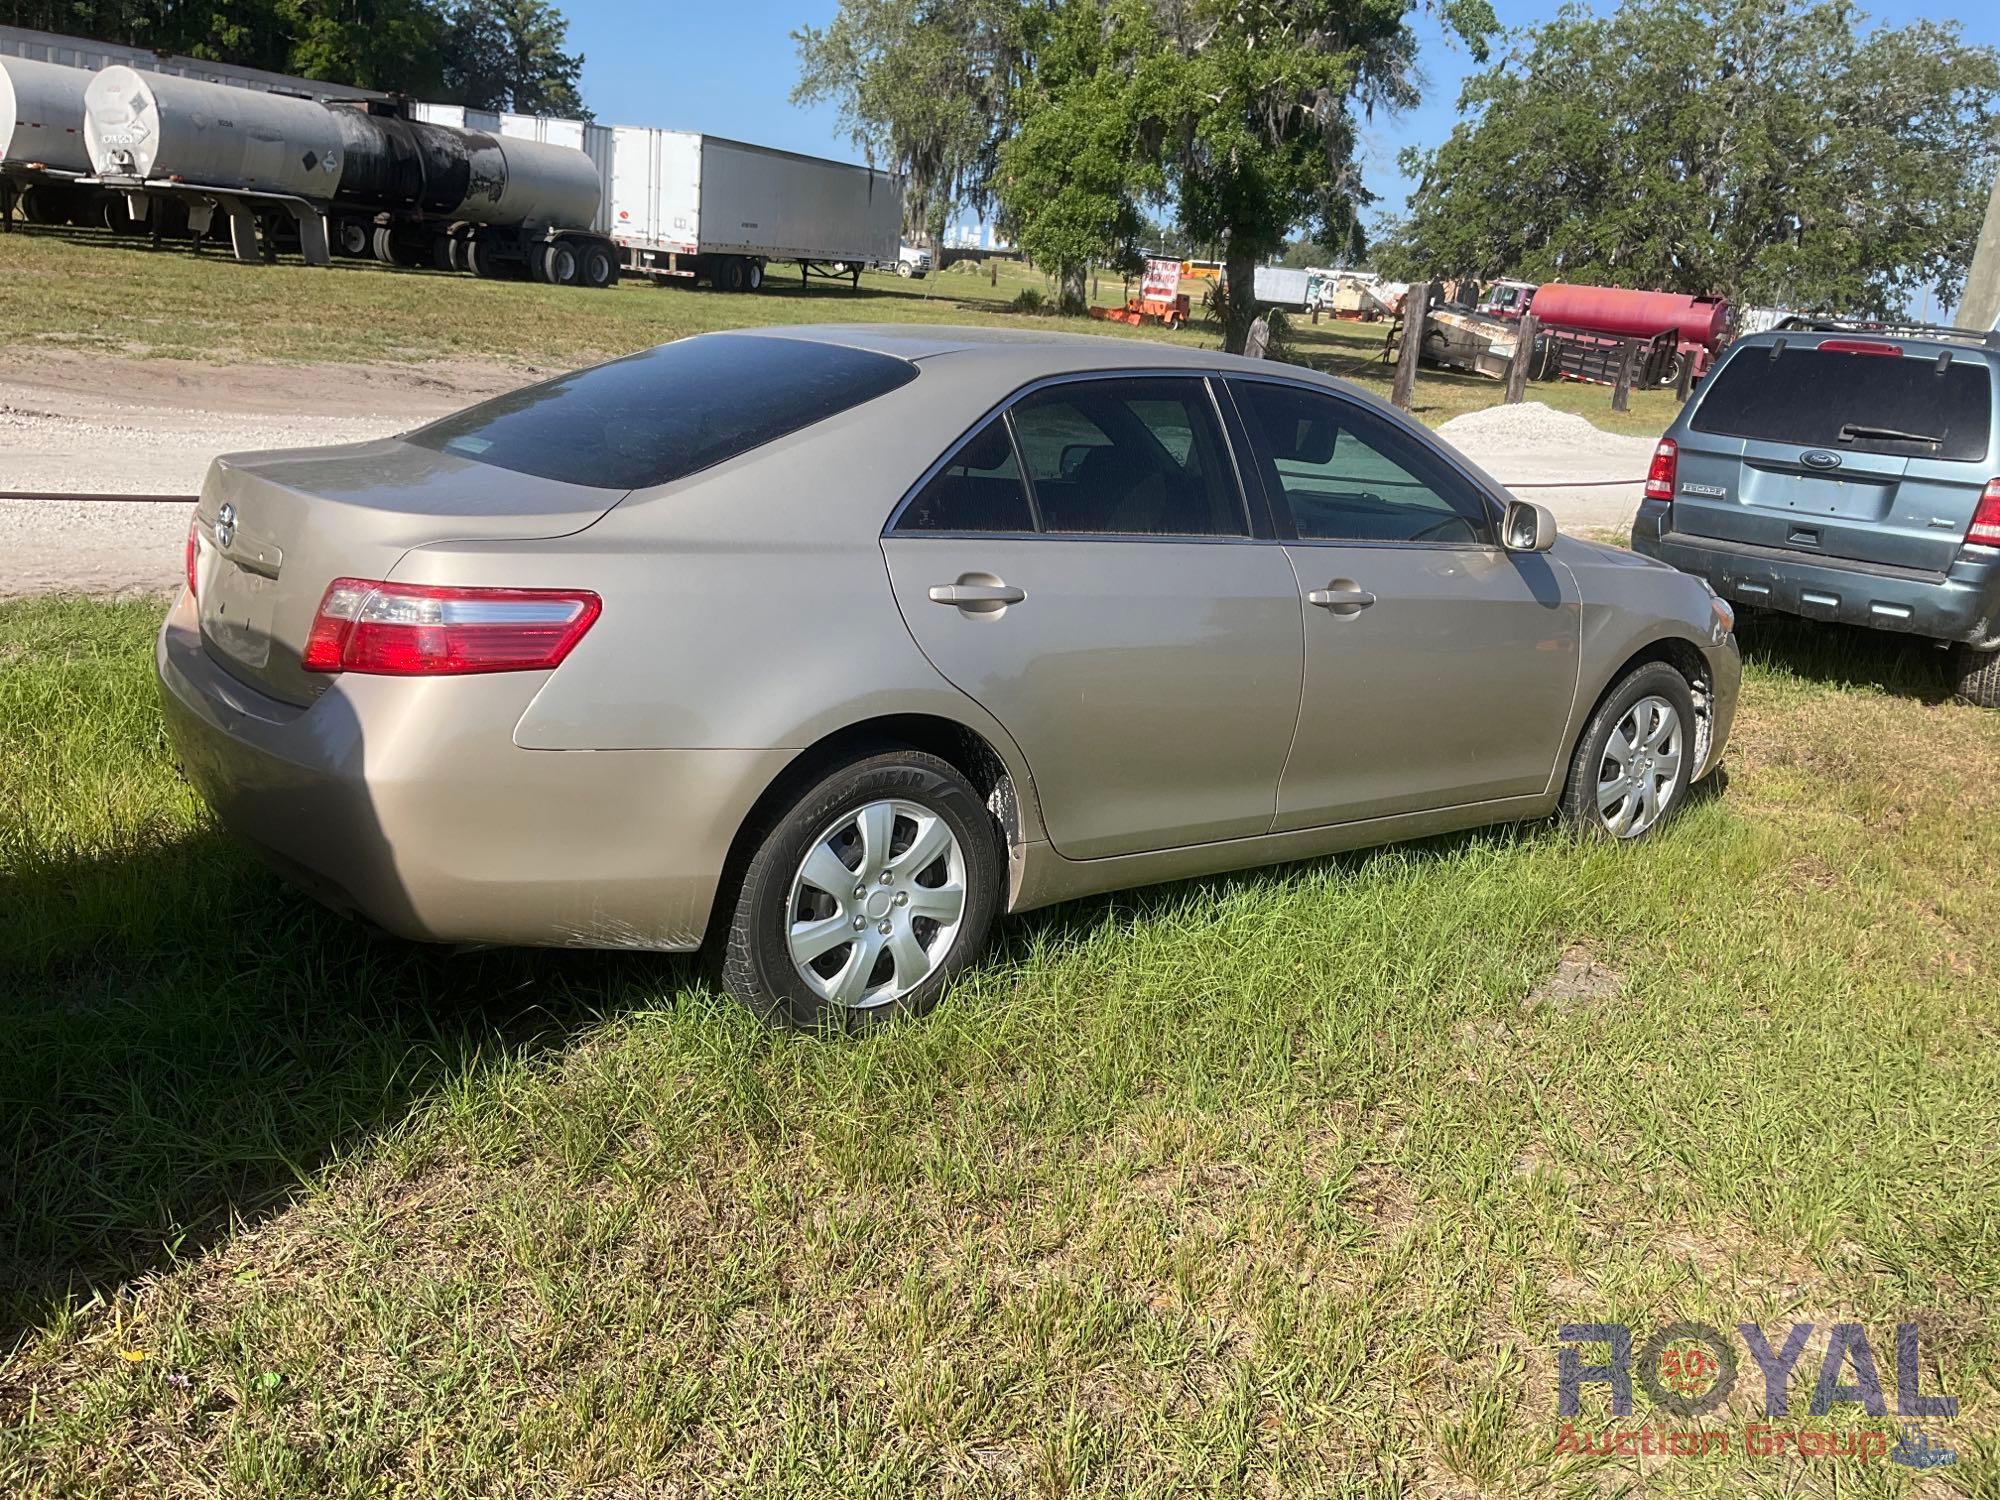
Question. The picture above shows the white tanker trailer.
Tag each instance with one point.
(41, 140)
(356, 175)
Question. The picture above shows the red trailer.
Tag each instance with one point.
(1674, 327)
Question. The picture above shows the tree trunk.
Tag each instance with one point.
(1071, 292)
(1239, 300)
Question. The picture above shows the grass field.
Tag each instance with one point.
(71, 290)
(1274, 1184)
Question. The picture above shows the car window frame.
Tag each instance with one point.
(1490, 507)
(1249, 497)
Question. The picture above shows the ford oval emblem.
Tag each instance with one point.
(1819, 458)
(225, 527)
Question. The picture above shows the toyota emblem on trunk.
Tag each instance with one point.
(225, 526)
(1819, 458)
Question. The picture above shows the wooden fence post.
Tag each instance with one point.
(1524, 355)
(1621, 393)
(1416, 318)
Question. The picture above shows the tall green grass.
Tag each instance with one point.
(1273, 1183)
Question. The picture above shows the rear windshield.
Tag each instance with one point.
(1832, 400)
(657, 416)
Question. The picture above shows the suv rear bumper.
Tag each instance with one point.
(1958, 605)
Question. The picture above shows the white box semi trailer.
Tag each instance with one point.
(688, 206)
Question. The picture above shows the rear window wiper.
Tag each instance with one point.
(1849, 431)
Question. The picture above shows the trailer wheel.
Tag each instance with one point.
(388, 249)
(351, 238)
(600, 267)
(560, 265)
(756, 274)
(481, 261)
(1670, 370)
(729, 274)
(441, 253)
(43, 204)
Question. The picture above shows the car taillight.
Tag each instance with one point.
(1985, 528)
(191, 556)
(1661, 477)
(415, 630)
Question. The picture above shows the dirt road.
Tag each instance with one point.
(83, 425)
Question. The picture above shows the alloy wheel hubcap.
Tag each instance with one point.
(876, 904)
(1641, 766)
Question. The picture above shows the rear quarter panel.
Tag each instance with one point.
(749, 606)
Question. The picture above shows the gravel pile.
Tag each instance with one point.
(1590, 478)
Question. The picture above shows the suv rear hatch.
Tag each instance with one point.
(1857, 449)
(274, 529)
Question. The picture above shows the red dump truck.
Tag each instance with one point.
(1589, 327)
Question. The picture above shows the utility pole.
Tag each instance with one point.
(1981, 304)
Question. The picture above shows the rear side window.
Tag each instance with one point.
(664, 414)
(1137, 457)
(1851, 402)
(979, 490)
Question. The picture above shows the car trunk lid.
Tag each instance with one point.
(1793, 451)
(274, 529)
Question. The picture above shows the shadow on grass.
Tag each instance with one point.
(1845, 655)
(187, 1038)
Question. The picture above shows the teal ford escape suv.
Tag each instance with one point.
(1849, 472)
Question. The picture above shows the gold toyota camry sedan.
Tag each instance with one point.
(825, 646)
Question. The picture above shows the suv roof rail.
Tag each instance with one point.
(1801, 322)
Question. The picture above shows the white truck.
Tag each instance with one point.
(689, 206)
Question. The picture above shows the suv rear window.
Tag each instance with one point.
(661, 415)
(1806, 397)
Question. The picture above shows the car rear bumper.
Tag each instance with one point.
(1958, 605)
(407, 802)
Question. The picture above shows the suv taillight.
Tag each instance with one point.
(416, 630)
(1661, 477)
(1985, 528)
(191, 556)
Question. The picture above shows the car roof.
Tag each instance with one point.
(1049, 351)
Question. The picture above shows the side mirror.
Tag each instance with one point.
(1527, 527)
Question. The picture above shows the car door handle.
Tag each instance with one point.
(1341, 601)
(962, 594)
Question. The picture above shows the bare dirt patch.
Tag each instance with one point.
(72, 424)
(1579, 980)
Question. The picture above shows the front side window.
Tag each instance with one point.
(1343, 474)
(978, 490)
(1138, 457)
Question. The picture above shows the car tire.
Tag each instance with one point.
(1627, 796)
(768, 957)
(905, 270)
(1978, 676)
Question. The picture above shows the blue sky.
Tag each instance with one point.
(729, 70)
